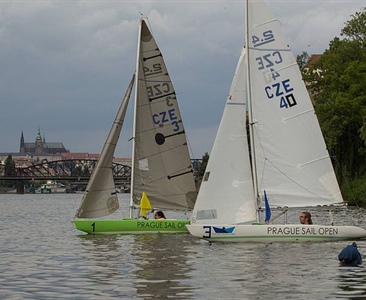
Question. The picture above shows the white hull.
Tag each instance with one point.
(275, 233)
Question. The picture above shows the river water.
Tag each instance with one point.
(42, 256)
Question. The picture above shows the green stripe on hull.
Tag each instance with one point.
(131, 226)
(277, 238)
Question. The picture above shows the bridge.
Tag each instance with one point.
(71, 170)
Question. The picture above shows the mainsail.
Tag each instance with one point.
(161, 161)
(292, 160)
(100, 197)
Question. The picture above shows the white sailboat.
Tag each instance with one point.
(161, 169)
(284, 156)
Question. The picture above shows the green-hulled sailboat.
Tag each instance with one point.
(161, 165)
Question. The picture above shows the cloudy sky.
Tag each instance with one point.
(65, 65)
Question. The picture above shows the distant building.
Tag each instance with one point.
(312, 59)
(86, 156)
(40, 147)
(79, 155)
(30, 153)
(41, 151)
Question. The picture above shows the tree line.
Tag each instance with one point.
(337, 85)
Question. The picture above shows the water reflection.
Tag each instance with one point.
(142, 266)
(102, 254)
(352, 282)
(162, 266)
(108, 263)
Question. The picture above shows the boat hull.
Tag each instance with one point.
(275, 233)
(131, 226)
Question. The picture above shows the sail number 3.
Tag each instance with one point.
(168, 116)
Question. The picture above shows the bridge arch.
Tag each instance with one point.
(69, 169)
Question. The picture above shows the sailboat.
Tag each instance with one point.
(162, 173)
(282, 159)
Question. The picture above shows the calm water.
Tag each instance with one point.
(42, 256)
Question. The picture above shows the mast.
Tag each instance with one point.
(134, 121)
(250, 111)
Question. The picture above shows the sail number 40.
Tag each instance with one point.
(282, 91)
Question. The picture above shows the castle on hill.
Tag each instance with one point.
(40, 150)
(40, 147)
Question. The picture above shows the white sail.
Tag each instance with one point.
(292, 161)
(226, 193)
(100, 197)
(161, 162)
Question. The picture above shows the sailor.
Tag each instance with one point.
(159, 215)
(350, 256)
(305, 218)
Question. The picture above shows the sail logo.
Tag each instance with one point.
(158, 90)
(269, 60)
(223, 229)
(282, 91)
(166, 117)
(216, 230)
(265, 38)
(154, 70)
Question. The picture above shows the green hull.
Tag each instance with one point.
(131, 226)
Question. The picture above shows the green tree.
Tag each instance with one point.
(203, 165)
(302, 59)
(340, 101)
(9, 169)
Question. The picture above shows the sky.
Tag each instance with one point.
(65, 65)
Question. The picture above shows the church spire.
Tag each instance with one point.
(39, 143)
(22, 143)
(39, 136)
